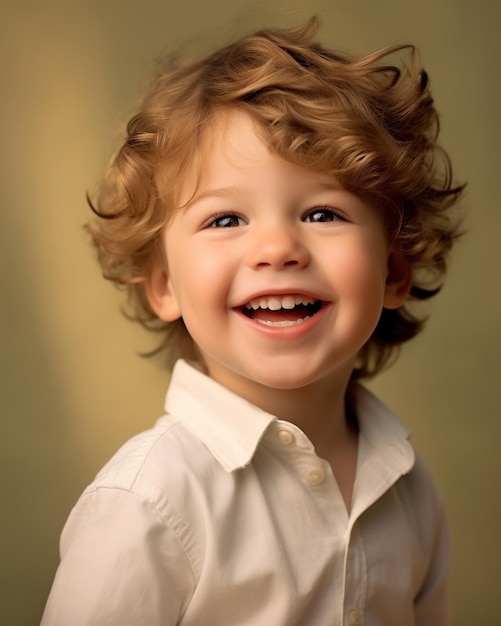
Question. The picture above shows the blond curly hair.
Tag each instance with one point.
(368, 121)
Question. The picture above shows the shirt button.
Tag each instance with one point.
(285, 437)
(315, 476)
(354, 617)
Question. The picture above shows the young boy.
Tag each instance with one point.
(274, 209)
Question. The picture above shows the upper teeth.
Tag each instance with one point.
(276, 303)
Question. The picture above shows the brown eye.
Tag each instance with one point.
(228, 220)
(320, 215)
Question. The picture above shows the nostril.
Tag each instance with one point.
(279, 251)
(291, 264)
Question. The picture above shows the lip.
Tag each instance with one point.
(294, 331)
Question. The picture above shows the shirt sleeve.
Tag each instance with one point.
(122, 562)
(431, 606)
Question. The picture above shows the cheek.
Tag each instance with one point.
(200, 279)
(362, 269)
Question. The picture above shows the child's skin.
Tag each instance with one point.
(260, 227)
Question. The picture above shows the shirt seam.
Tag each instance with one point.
(157, 509)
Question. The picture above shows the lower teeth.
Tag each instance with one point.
(283, 323)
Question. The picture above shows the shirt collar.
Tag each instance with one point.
(232, 428)
(380, 429)
(228, 425)
(384, 452)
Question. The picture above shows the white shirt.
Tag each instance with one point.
(223, 515)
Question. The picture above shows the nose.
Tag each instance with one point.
(278, 247)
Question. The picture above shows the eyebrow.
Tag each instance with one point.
(222, 192)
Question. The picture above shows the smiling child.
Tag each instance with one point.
(273, 210)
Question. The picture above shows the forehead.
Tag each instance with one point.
(233, 151)
(233, 133)
(233, 141)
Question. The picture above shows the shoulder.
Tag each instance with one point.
(408, 487)
(426, 517)
(158, 468)
(126, 549)
(151, 484)
(164, 474)
(154, 460)
(419, 491)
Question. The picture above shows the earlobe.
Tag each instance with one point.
(161, 295)
(398, 281)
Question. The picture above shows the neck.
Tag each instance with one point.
(318, 409)
(321, 411)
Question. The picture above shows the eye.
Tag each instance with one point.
(225, 220)
(323, 214)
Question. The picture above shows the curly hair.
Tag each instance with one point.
(367, 121)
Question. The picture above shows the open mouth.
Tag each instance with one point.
(282, 311)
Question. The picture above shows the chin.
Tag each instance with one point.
(282, 378)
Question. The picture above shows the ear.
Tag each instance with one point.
(398, 280)
(160, 293)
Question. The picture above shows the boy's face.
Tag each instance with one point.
(279, 274)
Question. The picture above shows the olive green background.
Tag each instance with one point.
(72, 385)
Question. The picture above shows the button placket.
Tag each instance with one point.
(306, 462)
(315, 476)
(354, 617)
(285, 437)
(356, 579)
